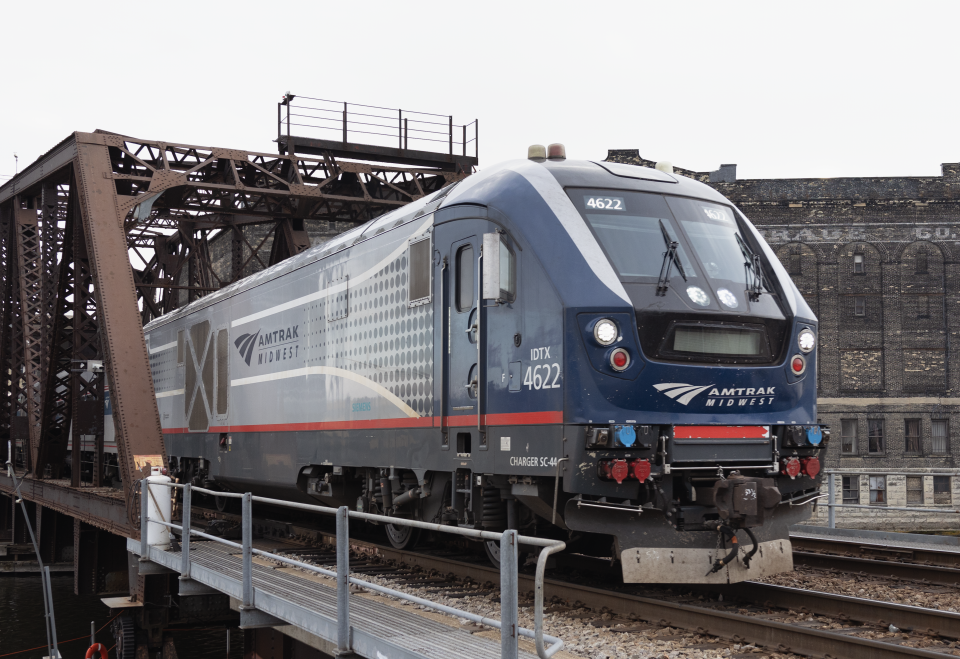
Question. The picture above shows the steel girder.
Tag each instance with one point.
(199, 218)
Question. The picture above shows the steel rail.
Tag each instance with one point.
(930, 555)
(906, 617)
(847, 564)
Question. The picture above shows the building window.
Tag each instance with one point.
(796, 264)
(859, 306)
(878, 490)
(922, 263)
(941, 489)
(851, 489)
(912, 436)
(914, 490)
(848, 436)
(941, 434)
(875, 435)
(923, 307)
(858, 264)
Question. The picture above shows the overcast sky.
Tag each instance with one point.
(782, 89)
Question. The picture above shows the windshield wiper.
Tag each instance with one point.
(670, 257)
(752, 264)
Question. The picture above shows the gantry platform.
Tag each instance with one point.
(309, 602)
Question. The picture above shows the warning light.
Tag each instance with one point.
(798, 364)
(619, 359)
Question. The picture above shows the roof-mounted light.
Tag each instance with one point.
(665, 166)
(537, 152)
(556, 151)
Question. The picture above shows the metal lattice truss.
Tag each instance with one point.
(192, 219)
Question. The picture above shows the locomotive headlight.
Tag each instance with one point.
(698, 296)
(807, 341)
(728, 298)
(605, 332)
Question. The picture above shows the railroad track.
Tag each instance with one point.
(859, 549)
(933, 574)
(448, 574)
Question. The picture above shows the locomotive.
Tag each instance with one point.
(603, 353)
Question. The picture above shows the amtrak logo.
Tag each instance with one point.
(686, 392)
(272, 346)
(245, 344)
(683, 393)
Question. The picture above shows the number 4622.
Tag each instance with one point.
(542, 376)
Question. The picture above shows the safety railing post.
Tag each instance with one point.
(185, 534)
(509, 637)
(399, 129)
(344, 123)
(144, 547)
(450, 132)
(343, 579)
(831, 500)
(246, 533)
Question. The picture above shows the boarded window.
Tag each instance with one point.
(941, 489)
(180, 348)
(465, 287)
(420, 261)
(859, 306)
(922, 266)
(941, 432)
(878, 490)
(851, 489)
(924, 370)
(858, 267)
(923, 307)
(861, 370)
(796, 263)
(914, 490)
(911, 438)
(223, 376)
(848, 436)
(875, 436)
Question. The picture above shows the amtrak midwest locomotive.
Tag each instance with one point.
(603, 353)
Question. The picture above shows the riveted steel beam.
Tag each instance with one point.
(135, 416)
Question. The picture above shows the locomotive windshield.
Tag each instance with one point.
(635, 230)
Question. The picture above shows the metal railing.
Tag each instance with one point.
(338, 120)
(509, 578)
(832, 504)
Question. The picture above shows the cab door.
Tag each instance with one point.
(459, 243)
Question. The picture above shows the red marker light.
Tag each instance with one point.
(620, 359)
(798, 364)
(811, 467)
(640, 469)
(790, 467)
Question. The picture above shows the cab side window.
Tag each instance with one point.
(465, 278)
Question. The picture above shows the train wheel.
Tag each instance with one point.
(402, 537)
(221, 503)
(492, 547)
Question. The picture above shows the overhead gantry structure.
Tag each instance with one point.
(106, 232)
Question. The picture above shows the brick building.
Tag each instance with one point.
(878, 261)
